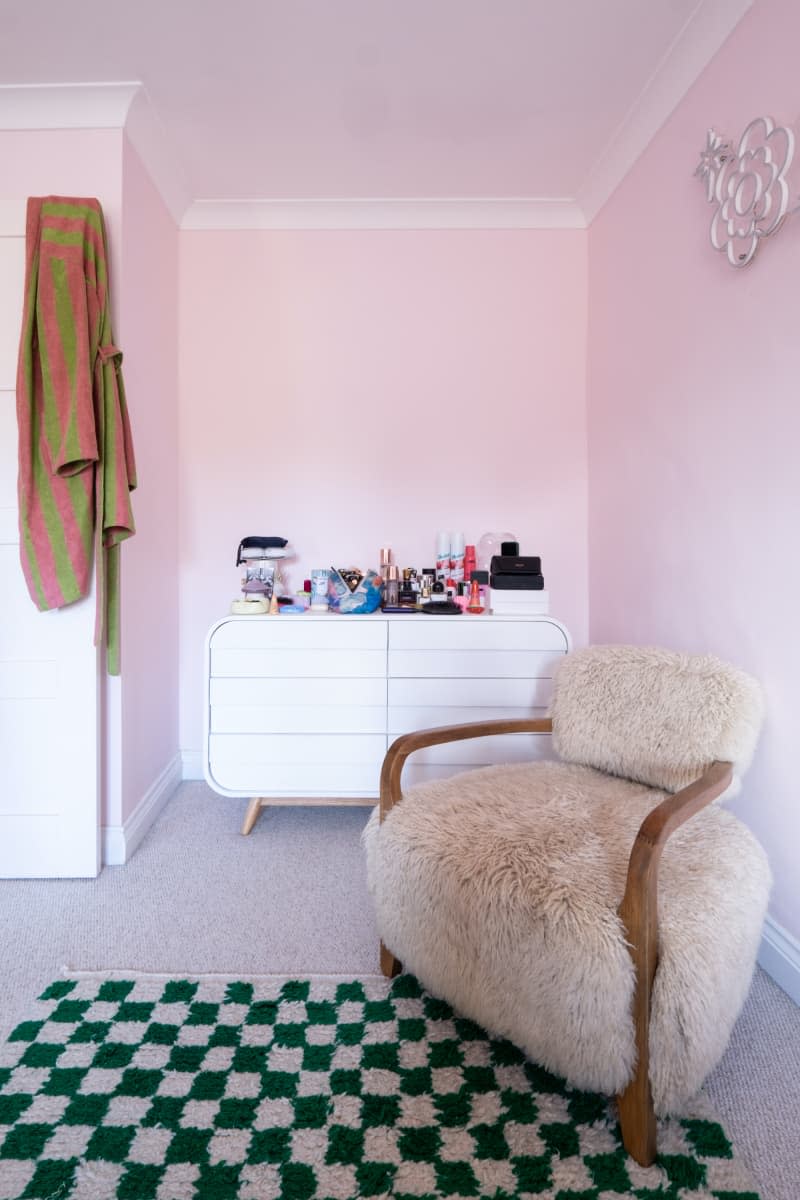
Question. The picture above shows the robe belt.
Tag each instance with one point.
(107, 353)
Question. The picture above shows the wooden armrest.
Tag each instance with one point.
(407, 743)
(639, 914)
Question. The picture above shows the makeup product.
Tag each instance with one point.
(319, 589)
(456, 557)
(470, 563)
(475, 601)
(407, 595)
(442, 555)
(482, 579)
(391, 587)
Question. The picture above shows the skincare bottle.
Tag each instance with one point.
(319, 590)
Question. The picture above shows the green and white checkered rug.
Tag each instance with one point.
(274, 1089)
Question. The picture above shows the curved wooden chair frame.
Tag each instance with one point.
(638, 909)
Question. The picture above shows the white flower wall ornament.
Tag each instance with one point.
(747, 186)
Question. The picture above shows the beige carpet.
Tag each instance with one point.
(198, 898)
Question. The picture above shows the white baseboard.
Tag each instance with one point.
(779, 956)
(192, 764)
(120, 841)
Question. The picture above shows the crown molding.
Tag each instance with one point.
(709, 26)
(65, 105)
(479, 213)
(124, 106)
(145, 132)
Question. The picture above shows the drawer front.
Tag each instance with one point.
(332, 632)
(476, 633)
(293, 693)
(296, 764)
(305, 663)
(478, 693)
(307, 718)
(408, 719)
(479, 664)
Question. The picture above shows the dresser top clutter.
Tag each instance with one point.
(491, 576)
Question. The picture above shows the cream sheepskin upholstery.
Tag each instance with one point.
(652, 715)
(499, 888)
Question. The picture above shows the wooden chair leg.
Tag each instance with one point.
(390, 966)
(251, 816)
(637, 1116)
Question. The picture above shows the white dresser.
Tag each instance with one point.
(301, 709)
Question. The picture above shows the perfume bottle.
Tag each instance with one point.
(475, 602)
(391, 591)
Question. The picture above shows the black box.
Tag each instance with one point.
(516, 564)
(508, 582)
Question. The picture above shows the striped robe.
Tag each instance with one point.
(76, 463)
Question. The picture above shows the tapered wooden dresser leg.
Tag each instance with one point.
(251, 816)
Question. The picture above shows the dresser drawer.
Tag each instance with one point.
(305, 718)
(296, 764)
(477, 664)
(407, 719)
(468, 634)
(306, 631)
(478, 693)
(294, 693)
(285, 662)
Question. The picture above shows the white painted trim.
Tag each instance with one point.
(66, 105)
(779, 956)
(147, 135)
(701, 37)
(120, 841)
(421, 213)
(192, 764)
(101, 106)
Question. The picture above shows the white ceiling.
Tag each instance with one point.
(380, 100)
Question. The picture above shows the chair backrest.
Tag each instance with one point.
(652, 715)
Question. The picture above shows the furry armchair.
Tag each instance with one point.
(546, 902)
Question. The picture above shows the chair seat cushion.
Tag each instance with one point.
(499, 890)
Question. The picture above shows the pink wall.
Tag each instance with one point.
(148, 334)
(694, 421)
(355, 390)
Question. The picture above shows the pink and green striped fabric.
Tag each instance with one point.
(76, 462)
